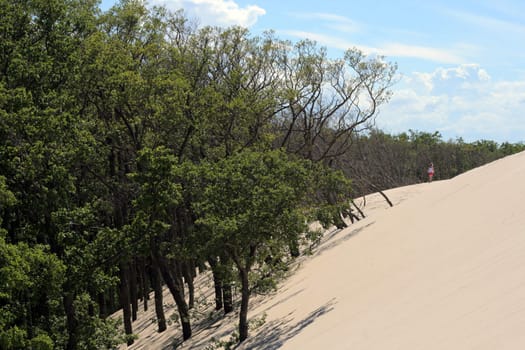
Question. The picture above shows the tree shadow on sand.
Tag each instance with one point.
(274, 334)
(337, 237)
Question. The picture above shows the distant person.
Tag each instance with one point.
(430, 172)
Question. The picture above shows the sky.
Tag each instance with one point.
(461, 63)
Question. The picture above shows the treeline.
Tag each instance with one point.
(378, 161)
(137, 149)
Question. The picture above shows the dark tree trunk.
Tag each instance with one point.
(176, 273)
(359, 209)
(374, 187)
(71, 322)
(144, 285)
(339, 222)
(386, 198)
(102, 305)
(177, 293)
(245, 297)
(133, 290)
(187, 267)
(125, 300)
(217, 281)
(159, 308)
(113, 306)
(227, 295)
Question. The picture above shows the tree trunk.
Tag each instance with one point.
(227, 292)
(71, 322)
(339, 222)
(358, 209)
(245, 297)
(374, 187)
(177, 293)
(113, 306)
(144, 285)
(125, 300)
(102, 305)
(159, 308)
(188, 277)
(217, 281)
(227, 295)
(133, 290)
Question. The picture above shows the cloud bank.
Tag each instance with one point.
(461, 101)
(215, 12)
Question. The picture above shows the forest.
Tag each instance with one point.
(138, 149)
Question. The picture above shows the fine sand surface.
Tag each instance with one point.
(442, 269)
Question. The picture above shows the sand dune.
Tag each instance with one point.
(443, 269)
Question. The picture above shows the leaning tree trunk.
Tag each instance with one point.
(176, 273)
(376, 188)
(177, 293)
(189, 276)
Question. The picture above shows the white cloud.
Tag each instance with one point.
(483, 75)
(488, 23)
(452, 79)
(439, 55)
(422, 52)
(332, 21)
(215, 12)
(426, 79)
(461, 101)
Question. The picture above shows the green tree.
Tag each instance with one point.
(30, 296)
(158, 198)
(251, 207)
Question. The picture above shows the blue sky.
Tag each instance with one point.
(461, 63)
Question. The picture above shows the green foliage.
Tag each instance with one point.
(228, 344)
(93, 332)
(30, 284)
(42, 342)
(13, 338)
(331, 196)
(159, 194)
(252, 201)
(6, 197)
(159, 190)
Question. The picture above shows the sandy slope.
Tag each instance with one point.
(443, 269)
